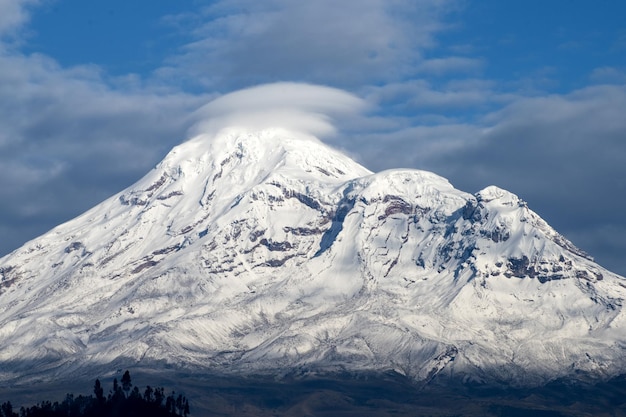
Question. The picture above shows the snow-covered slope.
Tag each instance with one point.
(270, 253)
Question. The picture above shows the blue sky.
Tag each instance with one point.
(528, 95)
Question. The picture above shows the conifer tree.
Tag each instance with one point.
(98, 391)
(147, 395)
(126, 383)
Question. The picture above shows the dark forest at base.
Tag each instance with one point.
(123, 400)
(368, 395)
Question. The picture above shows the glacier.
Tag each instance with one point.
(269, 253)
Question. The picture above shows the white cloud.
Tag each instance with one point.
(347, 43)
(608, 75)
(453, 64)
(420, 94)
(303, 108)
(13, 14)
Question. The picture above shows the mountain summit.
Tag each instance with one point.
(269, 253)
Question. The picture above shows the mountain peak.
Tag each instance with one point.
(503, 197)
(262, 150)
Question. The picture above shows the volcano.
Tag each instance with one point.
(270, 253)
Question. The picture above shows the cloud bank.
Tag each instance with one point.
(13, 15)
(344, 43)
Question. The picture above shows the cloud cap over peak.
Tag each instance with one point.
(298, 107)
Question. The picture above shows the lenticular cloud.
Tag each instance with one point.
(302, 108)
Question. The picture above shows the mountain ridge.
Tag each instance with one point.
(270, 253)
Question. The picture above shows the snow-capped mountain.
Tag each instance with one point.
(271, 253)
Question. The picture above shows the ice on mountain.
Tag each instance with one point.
(261, 251)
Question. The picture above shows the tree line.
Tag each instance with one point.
(123, 400)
